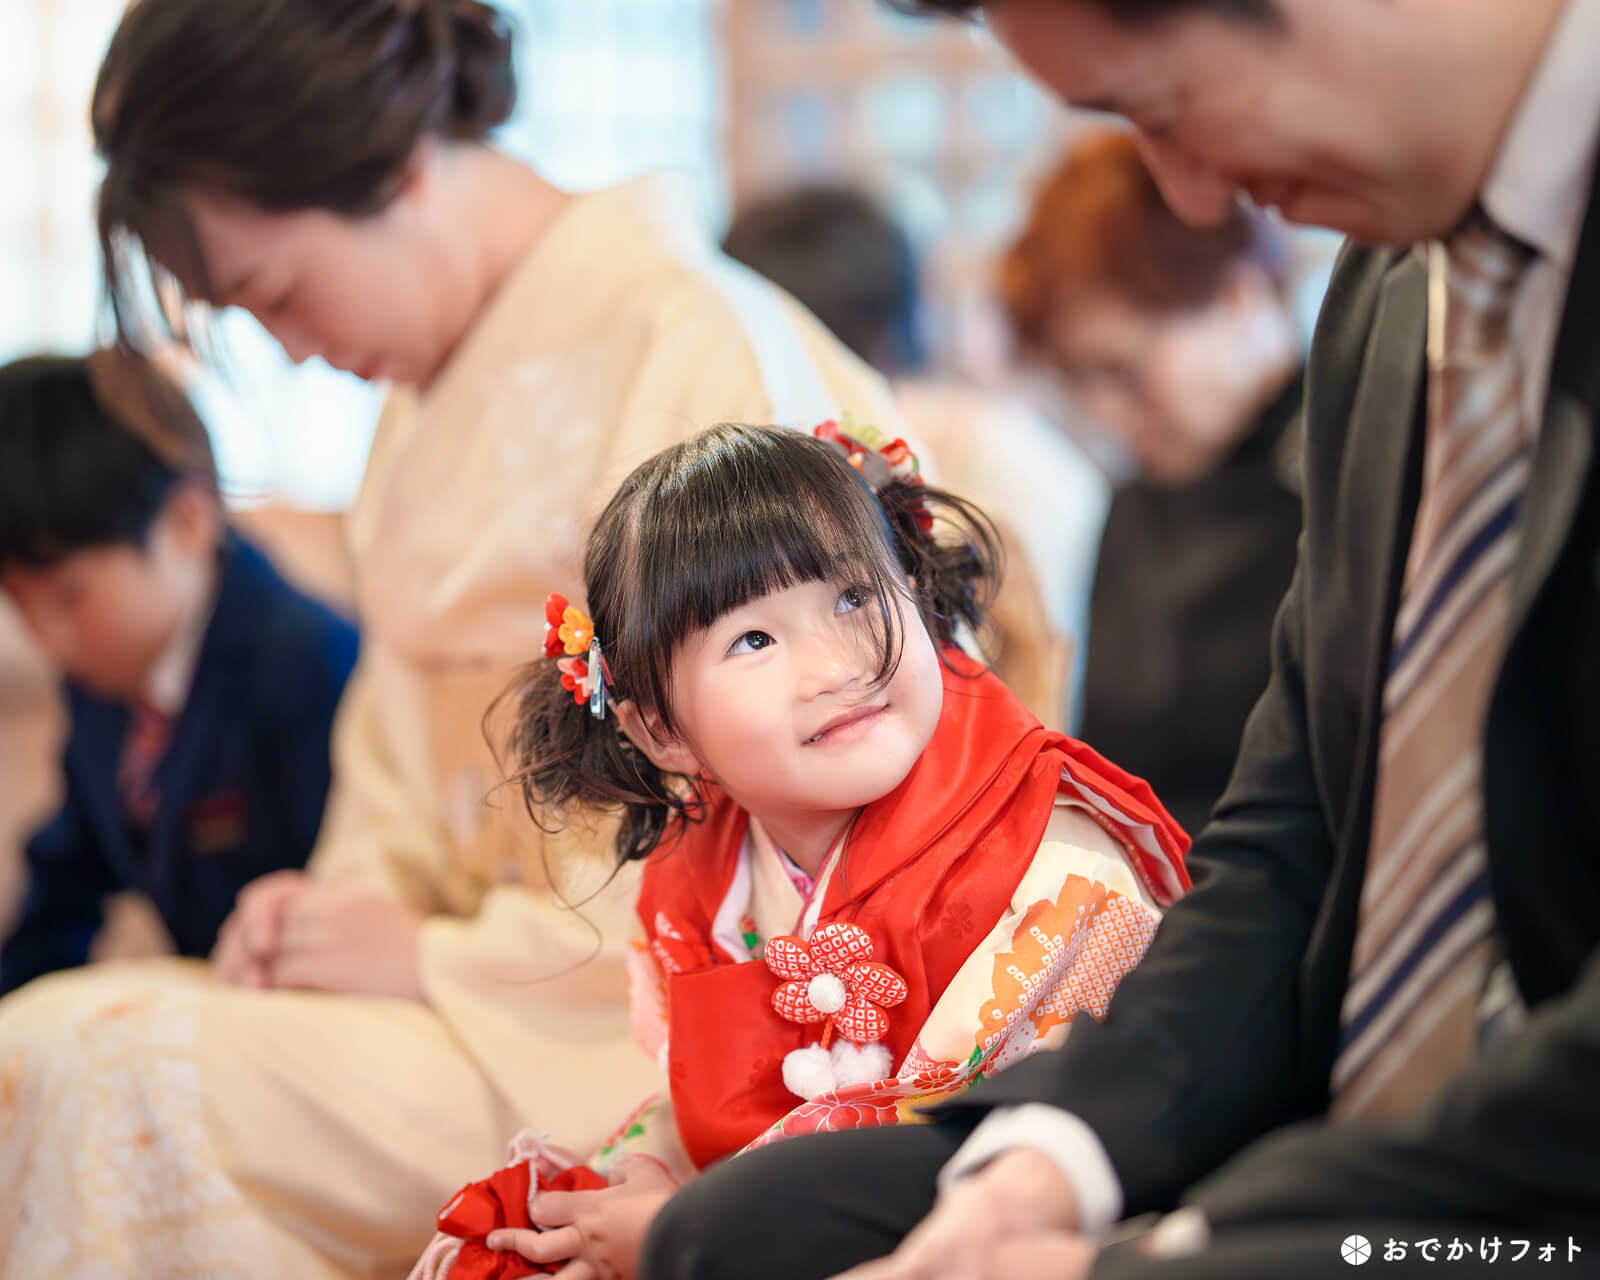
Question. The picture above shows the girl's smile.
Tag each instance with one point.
(848, 726)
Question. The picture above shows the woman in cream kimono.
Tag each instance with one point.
(445, 973)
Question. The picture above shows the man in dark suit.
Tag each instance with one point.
(1372, 1031)
(201, 685)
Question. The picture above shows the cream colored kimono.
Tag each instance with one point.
(155, 1124)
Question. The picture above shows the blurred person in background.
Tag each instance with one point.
(1180, 341)
(837, 251)
(201, 687)
(323, 164)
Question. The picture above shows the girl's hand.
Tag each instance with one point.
(596, 1233)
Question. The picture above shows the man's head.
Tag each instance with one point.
(836, 251)
(109, 515)
(1350, 115)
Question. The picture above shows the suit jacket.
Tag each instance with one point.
(241, 784)
(1228, 1028)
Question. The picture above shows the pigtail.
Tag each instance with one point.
(950, 549)
(558, 755)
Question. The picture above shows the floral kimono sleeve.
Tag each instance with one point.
(1078, 921)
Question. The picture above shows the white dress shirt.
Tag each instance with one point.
(1537, 191)
(166, 685)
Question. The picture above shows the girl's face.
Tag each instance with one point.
(776, 701)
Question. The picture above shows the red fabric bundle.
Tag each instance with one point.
(499, 1202)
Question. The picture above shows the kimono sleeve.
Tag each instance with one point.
(1078, 921)
(377, 831)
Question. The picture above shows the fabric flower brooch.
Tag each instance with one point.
(833, 980)
(569, 633)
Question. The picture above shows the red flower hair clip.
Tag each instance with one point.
(879, 459)
(569, 632)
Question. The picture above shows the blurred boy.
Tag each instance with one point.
(201, 686)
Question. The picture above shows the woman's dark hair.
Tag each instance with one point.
(1129, 11)
(89, 450)
(704, 527)
(283, 105)
(842, 256)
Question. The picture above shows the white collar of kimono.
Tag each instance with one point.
(726, 929)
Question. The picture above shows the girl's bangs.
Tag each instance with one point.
(750, 549)
(745, 517)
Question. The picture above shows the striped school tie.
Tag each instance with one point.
(149, 734)
(1426, 976)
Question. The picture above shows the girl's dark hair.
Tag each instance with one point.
(283, 105)
(702, 528)
(89, 450)
(847, 261)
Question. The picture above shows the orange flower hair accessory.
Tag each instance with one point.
(569, 632)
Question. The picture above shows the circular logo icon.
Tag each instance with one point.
(1356, 1250)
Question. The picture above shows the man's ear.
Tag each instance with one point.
(194, 515)
(668, 753)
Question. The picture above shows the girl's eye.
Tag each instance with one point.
(850, 599)
(751, 642)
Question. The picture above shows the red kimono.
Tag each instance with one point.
(927, 871)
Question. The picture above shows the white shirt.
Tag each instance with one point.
(166, 685)
(1537, 191)
(1539, 187)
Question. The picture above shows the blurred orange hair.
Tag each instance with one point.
(1099, 225)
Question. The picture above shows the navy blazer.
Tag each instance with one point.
(241, 785)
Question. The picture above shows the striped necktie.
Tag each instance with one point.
(1425, 949)
(149, 734)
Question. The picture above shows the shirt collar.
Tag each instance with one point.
(1539, 185)
(166, 687)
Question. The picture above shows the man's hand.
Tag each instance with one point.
(351, 941)
(596, 1233)
(1046, 1255)
(1019, 1202)
(247, 943)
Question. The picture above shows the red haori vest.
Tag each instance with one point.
(927, 871)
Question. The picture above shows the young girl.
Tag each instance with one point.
(870, 875)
